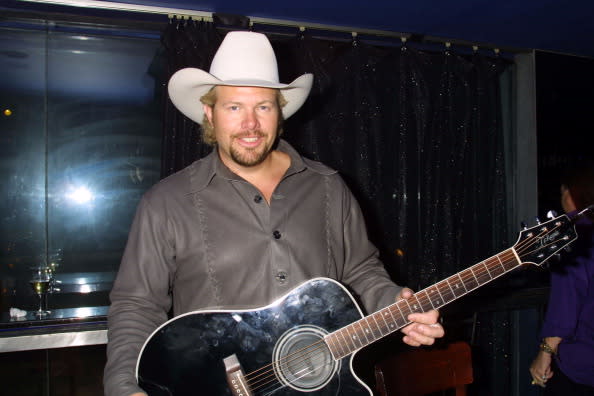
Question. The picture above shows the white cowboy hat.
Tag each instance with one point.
(243, 59)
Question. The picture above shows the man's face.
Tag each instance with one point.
(245, 122)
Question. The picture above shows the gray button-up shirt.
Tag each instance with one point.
(205, 238)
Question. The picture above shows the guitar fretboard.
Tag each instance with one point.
(371, 328)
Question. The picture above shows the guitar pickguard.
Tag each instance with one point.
(185, 355)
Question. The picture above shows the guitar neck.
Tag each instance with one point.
(371, 328)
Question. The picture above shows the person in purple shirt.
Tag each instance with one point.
(564, 364)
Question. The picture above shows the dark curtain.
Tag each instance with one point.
(417, 135)
(186, 43)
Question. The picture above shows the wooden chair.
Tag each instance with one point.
(424, 371)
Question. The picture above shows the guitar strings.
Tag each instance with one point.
(263, 378)
(523, 248)
(302, 374)
(266, 377)
(537, 239)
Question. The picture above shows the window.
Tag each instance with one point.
(80, 137)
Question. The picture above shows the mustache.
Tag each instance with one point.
(257, 133)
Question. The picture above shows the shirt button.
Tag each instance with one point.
(281, 277)
(276, 235)
(257, 198)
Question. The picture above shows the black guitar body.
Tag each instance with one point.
(185, 355)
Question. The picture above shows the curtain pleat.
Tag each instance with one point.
(187, 43)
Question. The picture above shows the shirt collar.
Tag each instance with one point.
(205, 169)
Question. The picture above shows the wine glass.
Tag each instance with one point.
(40, 283)
(54, 261)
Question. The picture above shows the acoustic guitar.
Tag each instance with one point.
(304, 342)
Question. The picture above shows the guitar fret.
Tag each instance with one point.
(343, 346)
(374, 329)
(338, 347)
(501, 263)
(418, 307)
(330, 342)
(402, 316)
(397, 315)
(347, 340)
(352, 338)
(451, 289)
(381, 314)
(392, 323)
(462, 282)
(513, 261)
(475, 278)
(494, 267)
(404, 308)
(437, 302)
(429, 292)
(488, 268)
(497, 268)
(428, 299)
(379, 325)
(484, 274)
(447, 294)
(402, 319)
(364, 331)
(353, 335)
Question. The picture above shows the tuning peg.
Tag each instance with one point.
(537, 220)
(523, 225)
(551, 214)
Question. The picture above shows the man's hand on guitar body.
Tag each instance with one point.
(425, 327)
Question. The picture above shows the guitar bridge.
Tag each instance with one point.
(235, 377)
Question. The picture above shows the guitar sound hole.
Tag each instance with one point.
(302, 360)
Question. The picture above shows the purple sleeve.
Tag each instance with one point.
(563, 308)
(571, 293)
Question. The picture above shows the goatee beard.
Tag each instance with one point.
(250, 157)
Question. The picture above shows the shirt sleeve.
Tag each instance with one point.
(140, 298)
(562, 309)
(364, 272)
(569, 288)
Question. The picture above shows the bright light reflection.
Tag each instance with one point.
(85, 289)
(83, 312)
(81, 195)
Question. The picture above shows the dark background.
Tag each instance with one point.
(565, 104)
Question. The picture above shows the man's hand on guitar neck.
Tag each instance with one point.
(425, 327)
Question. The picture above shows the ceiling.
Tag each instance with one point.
(564, 26)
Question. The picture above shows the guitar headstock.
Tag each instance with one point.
(539, 243)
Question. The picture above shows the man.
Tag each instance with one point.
(246, 224)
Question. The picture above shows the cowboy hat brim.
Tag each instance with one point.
(188, 85)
